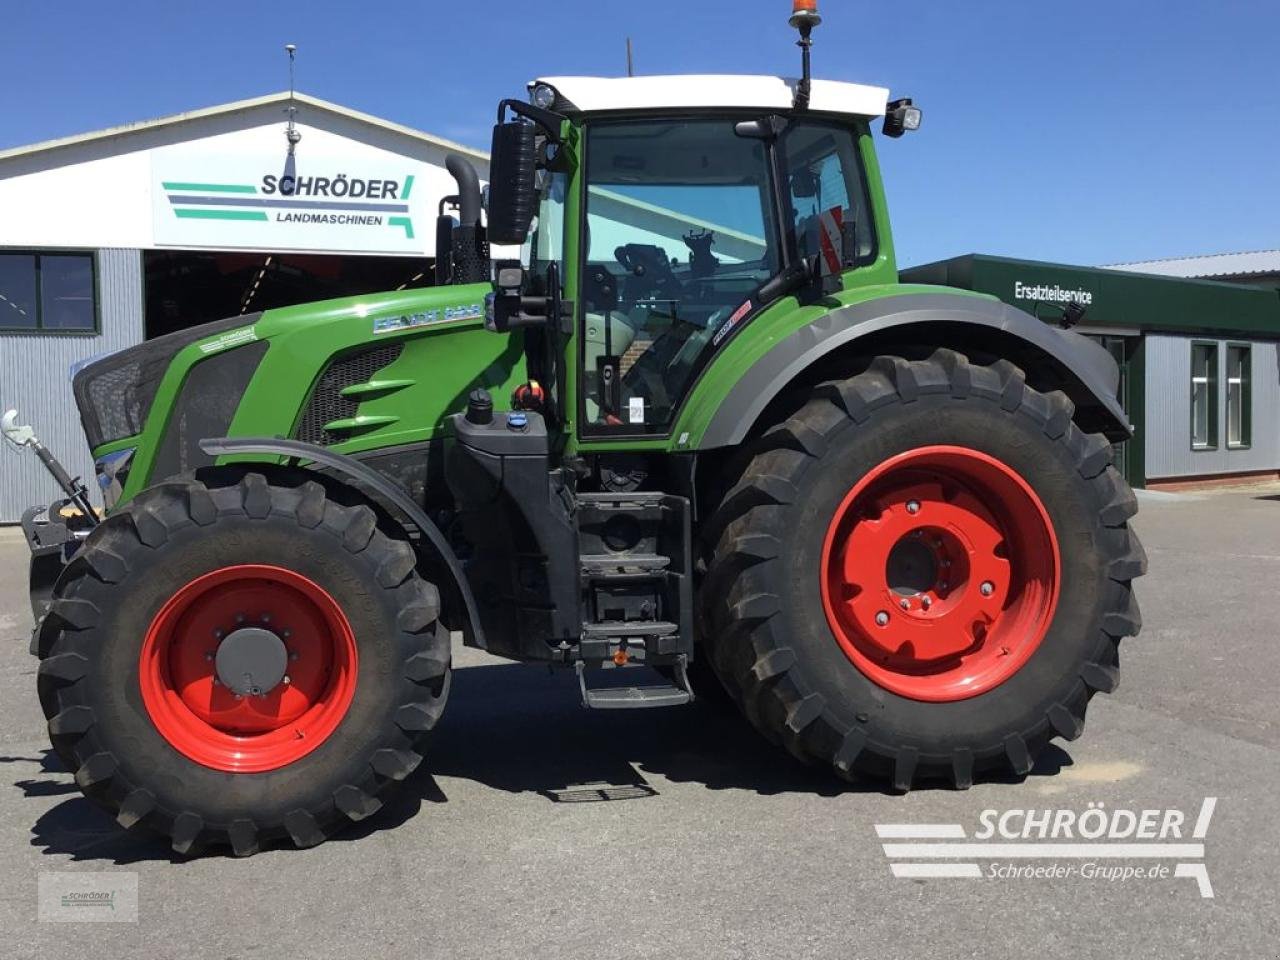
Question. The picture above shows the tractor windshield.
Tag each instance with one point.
(680, 231)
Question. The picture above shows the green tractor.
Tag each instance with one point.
(699, 434)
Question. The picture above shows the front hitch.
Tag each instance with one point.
(53, 533)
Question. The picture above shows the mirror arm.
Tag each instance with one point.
(549, 121)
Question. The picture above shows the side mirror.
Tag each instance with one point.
(513, 189)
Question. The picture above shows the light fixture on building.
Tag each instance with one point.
(291, 133)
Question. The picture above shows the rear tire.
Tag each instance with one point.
(131, 702)
(830, 695)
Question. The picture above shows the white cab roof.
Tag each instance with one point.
(596, 94)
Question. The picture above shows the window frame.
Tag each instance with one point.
(1211, 399)
(40, 330)
(1246, 395)
(598, 432)
(788, 247)
(790, 235)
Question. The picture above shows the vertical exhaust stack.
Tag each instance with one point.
(468, 248)
(804, 17)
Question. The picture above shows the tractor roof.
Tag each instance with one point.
(601, 94)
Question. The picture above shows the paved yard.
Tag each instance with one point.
(537, 830)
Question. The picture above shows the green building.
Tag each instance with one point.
(1199, 359)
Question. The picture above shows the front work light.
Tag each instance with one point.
(543, 96)
(900, 116)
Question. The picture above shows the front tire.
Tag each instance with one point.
(924, 573)
(236, 665)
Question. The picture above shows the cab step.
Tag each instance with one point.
(637, 697)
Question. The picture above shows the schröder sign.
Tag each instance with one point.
(312, 204)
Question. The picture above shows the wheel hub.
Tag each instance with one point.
(248, 668)
(251, 661)
(940, 573)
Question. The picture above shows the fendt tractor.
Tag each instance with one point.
(698, 434)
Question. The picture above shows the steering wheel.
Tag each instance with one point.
(651, 269)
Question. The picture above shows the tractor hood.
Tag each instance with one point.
(360, 374)
(114, 394)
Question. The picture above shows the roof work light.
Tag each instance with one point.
(900, 117)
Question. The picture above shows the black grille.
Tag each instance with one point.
(115, 393)
(204, 409)
(327, 403)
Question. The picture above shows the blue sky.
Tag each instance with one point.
(1085, 132)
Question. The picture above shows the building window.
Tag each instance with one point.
(1239, 395)
(48, 293)
(1204, 396)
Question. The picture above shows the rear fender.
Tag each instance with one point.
(1090, 373)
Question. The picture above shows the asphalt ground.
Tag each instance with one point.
(536, 829)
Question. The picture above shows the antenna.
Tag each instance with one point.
(631, 68)
(291, 132)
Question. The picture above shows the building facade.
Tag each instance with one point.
(1199, 359)
(114, 237)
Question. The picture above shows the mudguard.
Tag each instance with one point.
(354, 469)
(1086, 362)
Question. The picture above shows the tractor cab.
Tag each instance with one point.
(670, 211)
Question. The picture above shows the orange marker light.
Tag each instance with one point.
(620, 657)
(805, 12)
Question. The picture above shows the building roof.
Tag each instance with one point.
(239, 106)
(593, 94)
(1212, 265)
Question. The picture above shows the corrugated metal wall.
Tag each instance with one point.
(1168, 413)
(33, 378)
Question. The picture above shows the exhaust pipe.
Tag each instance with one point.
(468, 251)
(464, 174)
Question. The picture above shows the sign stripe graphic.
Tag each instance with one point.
(220, 214)
(211, 187)
(1046, 850)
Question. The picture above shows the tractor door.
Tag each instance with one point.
(682, 227)
(692, 224)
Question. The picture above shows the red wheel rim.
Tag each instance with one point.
(202, 717)
(940, 573)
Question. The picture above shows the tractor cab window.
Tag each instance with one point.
(680, 233)
(830, 211)
(545, 245)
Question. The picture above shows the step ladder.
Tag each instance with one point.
(634, 697)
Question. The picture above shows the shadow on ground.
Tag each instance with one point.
(519, 729)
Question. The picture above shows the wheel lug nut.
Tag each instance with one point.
(882, 619)
(913, 506)
(904, 603)
(217, 634)
(293, 654)
(987, 588)
(266, 618)
(926, 603)
(239, 618)
(285, 679)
